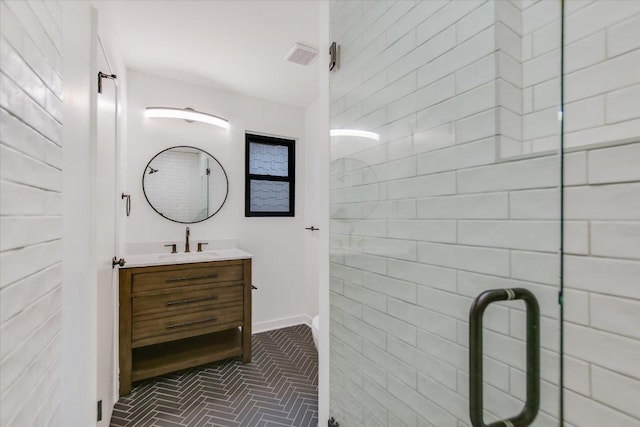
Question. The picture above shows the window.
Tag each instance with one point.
(270, 176)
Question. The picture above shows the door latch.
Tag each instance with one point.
(121, 262)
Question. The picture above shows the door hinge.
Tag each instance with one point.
(99, 410)
(333, 422)
(101, 76)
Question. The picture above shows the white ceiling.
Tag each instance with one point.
(233, 45)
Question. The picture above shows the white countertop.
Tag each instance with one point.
(147, 260)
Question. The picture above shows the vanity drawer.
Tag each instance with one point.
(184, 325)
(157, 280)
(186, 298)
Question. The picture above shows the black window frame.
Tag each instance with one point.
(290, 178)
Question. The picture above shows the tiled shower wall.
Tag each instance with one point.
(30, 219)
(433, 214)
(378, 268)
(603, 213)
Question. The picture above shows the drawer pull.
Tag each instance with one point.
(204, 276)
(195, 322)
(189, 301)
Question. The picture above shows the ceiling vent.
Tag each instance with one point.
(301, 54)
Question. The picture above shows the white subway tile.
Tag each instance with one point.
(535, 204)
(541, 124)
(576, 237)
(584, 412)
(538, 15)
(444, 397)
(604, 77)
(433, 139)
(536, 267)
(576, 306)
(423, 186)
(476, 127)
(548, 37)
(527, 235)
(508, 40)
(605, 349)
(584, 114)
(423, 230)
(585, 52)
(443, 18)
(481, 206)
(617, 132)
(597, 16)
(546, 95)
(525, 174)
(615, 239)
(482, 260)
(541, 68)
(423, 406)
(422, 54)
(436, 368)
(610, 202)
(369, 369)
(624, 37)
(366, 296)
(616, 315)
(435, 92)
(390, 400)
(475, 101)
(395, 366)
(390, 325)
(391, 248)
(423, 318)
(458, 157)
(623, 104)
(610, 276)
(347, 305)
(436, 277)
(576, 375)
(476, 21)
(462, 55)
(509, 69)
(615, 390)
(400, 289)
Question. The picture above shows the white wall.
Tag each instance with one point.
(602, 275)
(31, 178)
(276, 243)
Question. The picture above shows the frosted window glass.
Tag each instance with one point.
(265, 159)
(269, 196)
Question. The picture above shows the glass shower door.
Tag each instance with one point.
(445, 183)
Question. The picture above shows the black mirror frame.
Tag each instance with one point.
(226, 177)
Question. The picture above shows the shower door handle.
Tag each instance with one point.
(532, 404)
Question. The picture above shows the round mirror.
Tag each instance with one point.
(185, 184)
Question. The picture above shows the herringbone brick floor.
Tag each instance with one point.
(278, 388)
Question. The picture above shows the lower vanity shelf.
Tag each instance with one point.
(178, 316)
(159, 359)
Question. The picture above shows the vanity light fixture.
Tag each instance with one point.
(188, 114)
(355, 132)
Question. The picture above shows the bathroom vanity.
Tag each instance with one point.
(181, 310)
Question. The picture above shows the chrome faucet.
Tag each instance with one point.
(186, 244)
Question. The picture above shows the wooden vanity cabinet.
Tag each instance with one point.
(178, 316)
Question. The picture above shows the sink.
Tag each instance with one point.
(143, 260)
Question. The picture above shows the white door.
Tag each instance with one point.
(105, 202)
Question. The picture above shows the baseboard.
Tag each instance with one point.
(270, 325)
